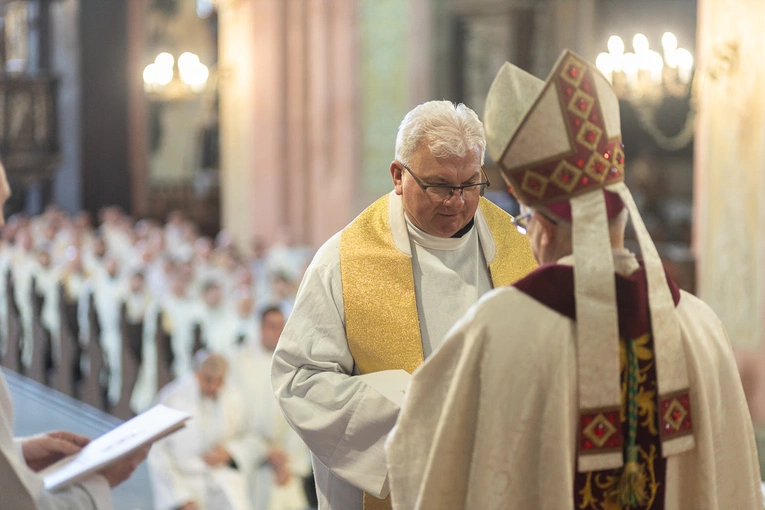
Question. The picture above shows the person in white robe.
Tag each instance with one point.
(207, 464)
(46, 290)
(216, 320)
(179, 318)
(73, 279)
(23, 269)
(203, 263)
(21, 458)
(136, 297)
(243, 326)
(94, 253)
(46, 286)
(6, 253)
(381, 294)
(593, 383)
(277, 482)
(107, 290)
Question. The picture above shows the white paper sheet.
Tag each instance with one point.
(391, 384)
(144, 429)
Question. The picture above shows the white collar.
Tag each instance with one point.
(400, 231)
(431, 242)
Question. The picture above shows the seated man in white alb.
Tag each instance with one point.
(206, 465)
(214, 318)
(285, 459)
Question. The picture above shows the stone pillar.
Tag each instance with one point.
(289, 123)
(729, 213)
(729, 236)
(138, 153)
(65, 63)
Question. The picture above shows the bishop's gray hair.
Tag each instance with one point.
(448, 130)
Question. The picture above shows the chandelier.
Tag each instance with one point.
(645, 78)
(160, 79)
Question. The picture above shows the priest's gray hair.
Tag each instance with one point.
(447, 129)
(209, 362)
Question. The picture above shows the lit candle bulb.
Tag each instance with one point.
(605, 65)
(684, 64)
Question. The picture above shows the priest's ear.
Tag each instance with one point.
(397, 172)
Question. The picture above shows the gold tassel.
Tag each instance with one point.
(632, 485)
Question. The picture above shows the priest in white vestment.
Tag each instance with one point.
(179, 317)
(47, 288)
(593, 383)
(381, 294)
(216, 321)
(23, 269)
(277, 482)
(206, 465)
(107, 290)
(21, 458)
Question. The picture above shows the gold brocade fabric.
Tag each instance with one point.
(514, 259)
(373, 503)
(381, 320)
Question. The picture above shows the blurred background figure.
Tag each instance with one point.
(206, 465)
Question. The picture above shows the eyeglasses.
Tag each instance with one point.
(445, 192)
(521, 222)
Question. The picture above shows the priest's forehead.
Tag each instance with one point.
(213, 364)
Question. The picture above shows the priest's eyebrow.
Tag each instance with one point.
(438, 180)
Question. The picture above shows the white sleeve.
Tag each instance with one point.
(170, 487)
(246, 447)
(93, 493)
(342, 420)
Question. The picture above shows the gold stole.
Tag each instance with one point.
(381, 320)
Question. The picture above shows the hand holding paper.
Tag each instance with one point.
(43, 450)
(122, 469)
(117, 453)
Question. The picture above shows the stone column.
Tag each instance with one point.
(729, 195)
(729, 235)
(138, 153)
(289, 123)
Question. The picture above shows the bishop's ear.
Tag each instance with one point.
(546, 230)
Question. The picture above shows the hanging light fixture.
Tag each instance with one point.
(168, 79)
(645, 78)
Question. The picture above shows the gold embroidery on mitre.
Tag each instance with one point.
(573, 71)
(597, 167)
(618, 159)
(534, 183)
(581, 104)
(566, 176)
(589, 135)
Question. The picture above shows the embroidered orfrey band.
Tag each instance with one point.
(600, 431)
(675, 415)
